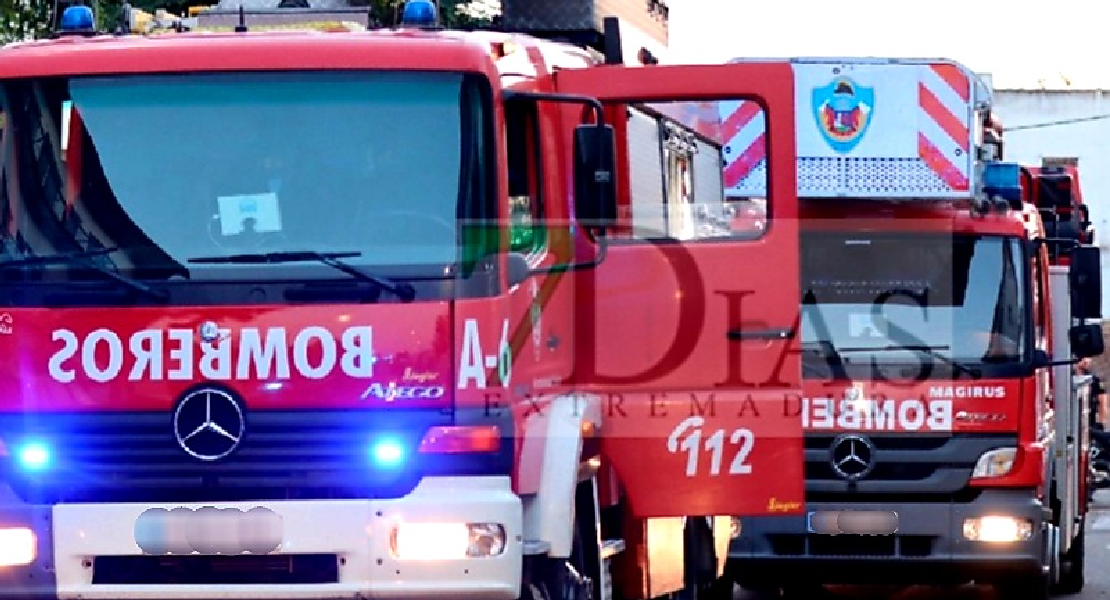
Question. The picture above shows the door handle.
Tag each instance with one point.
(779, 333)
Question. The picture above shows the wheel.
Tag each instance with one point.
(702, 580)
(1072, 579)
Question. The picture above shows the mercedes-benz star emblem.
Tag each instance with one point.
(208, 424)
(852, 456)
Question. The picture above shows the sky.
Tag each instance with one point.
(1020, 42)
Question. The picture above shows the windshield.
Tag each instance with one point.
(895, 298)
(177, 167)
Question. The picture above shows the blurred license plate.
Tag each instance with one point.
(852, 522)
(209, 530)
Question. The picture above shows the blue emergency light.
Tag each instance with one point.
(420, 13)
(1002, 180)
(77, 18)
(33, 456)
(387, 452)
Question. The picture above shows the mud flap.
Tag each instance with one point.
(740, 455)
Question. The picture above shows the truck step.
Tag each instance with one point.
(536, 547)
(611, 548)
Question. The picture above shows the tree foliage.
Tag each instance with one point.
(24, 19)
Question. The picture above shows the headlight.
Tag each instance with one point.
(447, 541)
(17, 547)
(995, 463)
(999, 529)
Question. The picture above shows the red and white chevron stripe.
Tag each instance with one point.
(944, 99)
(743, 130)
(944, 112)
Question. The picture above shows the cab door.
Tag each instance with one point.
(687, 326)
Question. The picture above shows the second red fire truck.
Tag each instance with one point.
(944, 298)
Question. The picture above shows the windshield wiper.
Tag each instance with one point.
(56, 259)
(931, 351)
(403, 291)
(81, 257)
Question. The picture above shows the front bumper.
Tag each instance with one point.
(356, 535)
(929, 546)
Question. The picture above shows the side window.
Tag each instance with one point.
(526, 235)
(1039, 308)
(698, 170)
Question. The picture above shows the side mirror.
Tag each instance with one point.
(1086, 340)
(516, 269)
(1085, 276)
(1041, 359)
(595, 186)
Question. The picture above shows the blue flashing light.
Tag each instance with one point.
(76, 18)
(1003, 180)
(420, 13)
(388, 452)
(33, 456)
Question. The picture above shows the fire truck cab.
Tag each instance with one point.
(300, 305)
(942, 310)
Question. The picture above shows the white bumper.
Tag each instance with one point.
(358, 532)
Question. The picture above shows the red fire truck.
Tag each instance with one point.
(1054, 189)
(349, 314)
(939, 324)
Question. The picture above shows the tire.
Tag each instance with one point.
(1072, 564)
(702, 580)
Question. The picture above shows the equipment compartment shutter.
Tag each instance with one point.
(709, 191)
(709, 183)
(646, 174)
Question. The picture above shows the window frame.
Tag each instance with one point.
(523, 125)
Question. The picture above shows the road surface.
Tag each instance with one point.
(1098, 571)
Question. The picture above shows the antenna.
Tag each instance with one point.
(242, 26)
